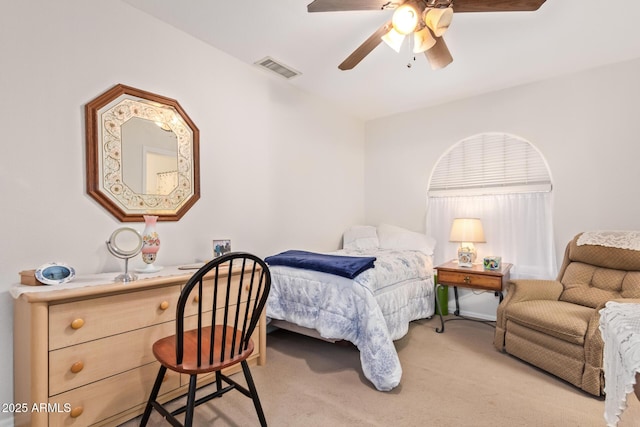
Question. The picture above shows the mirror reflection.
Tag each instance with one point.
(150, 157)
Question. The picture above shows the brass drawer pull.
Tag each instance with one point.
(164, 305)
(77, 367)
(76, 412)
(77, 323)
(467, 279)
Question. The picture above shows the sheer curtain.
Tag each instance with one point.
(518, 227)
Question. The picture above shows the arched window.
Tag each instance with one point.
(505, 181)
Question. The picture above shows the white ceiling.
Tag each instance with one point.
(491, 51)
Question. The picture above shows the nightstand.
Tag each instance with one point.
(475, 277)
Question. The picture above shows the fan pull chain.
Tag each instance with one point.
(411, 42)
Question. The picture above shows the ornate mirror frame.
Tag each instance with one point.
(105, 117)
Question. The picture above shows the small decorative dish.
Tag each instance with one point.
(55, 273)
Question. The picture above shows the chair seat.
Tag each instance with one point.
(165, 351)
(563, 320)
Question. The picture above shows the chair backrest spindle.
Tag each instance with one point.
(199, 345)
(246, 312)
(214, 307)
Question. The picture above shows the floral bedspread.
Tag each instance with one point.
(371, 311)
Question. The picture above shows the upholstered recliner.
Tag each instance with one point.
(553, 324)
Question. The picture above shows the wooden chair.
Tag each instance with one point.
(234, 287)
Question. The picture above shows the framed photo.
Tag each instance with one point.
(221, 247)
(493, 263)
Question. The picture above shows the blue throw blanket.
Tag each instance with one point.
(345, 266)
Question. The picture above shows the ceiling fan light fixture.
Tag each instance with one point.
(423, 40)
(439, 55)
(438, 19)
(393, 39)
(405, 19)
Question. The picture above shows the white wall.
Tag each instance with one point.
(279, 169)
(586, 125)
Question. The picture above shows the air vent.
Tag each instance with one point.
(277, 67)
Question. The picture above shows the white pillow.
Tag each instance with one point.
(392, 237)
(360, 237)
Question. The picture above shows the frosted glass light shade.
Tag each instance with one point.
(438, 19)
(423, 40)
(405, 19)
(393, 39)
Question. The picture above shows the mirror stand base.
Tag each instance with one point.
(128, 277)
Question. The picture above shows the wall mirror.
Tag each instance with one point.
(142, 155)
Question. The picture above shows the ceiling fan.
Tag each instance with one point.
(426, 20)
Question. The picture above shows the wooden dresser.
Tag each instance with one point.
(82, 356)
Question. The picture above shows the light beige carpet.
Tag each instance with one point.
(451, 379)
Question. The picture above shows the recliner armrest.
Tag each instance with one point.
(524, 290)
(533, 289)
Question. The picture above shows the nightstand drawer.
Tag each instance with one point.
(470, 280)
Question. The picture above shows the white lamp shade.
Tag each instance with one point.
(423, 40)
(405, 19)
(393, 39)
(467, 230)
(438, 19)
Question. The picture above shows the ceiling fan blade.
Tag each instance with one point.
(365, 48)
(496, 5)
(345, 5)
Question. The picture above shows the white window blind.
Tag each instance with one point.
(490, 163)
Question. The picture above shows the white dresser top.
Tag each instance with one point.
(103, 279)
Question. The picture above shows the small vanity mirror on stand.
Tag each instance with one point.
(125, 243)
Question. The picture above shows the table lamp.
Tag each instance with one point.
(467, 231)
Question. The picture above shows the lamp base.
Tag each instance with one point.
(466, 256)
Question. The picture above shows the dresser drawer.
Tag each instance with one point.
(81, 364)
(470, 280)
(106, 398)
(86, 320)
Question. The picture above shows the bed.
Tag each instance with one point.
(372, 309)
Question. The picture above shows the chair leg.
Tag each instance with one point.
(191, 398)
(218, 380)
(154, 394)
(254, 393)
